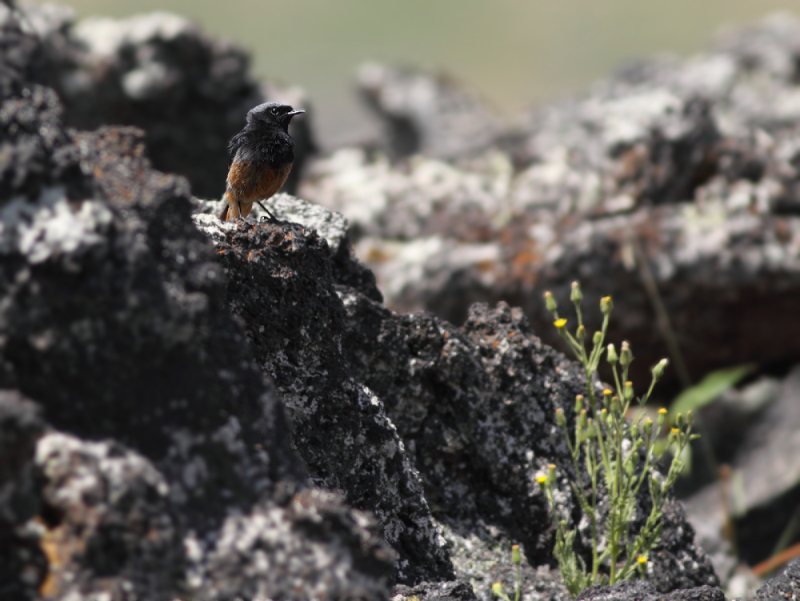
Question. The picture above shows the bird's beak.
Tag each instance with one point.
(293, 113)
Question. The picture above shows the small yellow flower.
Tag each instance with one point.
(607, 392)
(662, 411)
(541, 479)
(497, 587)
(641, 559)
(560, 323)
(675, 431)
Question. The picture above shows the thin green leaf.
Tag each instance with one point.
(709, 388)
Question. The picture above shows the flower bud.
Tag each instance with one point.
(628, 390)
(615, 406)
(560, 419)
(550, 302)
(578, 403)
(575, 295)
(611, 356)
(658, 368)
(625, 354)
(497, 588)
(552, 469)
(648, 426)
(606, 305)
(597, 338)
(689, 420)
(662, 416)
(515, 555)
(580, 333)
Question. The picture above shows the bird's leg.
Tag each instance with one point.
(231, 209)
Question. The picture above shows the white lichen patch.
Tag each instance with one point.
(99, 470)
(52, 226)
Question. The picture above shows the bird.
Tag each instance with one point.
(261, 159)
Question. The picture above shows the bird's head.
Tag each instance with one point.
(274, 113)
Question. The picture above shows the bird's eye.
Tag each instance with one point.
(274, 110)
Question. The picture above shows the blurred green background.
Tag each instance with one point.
(514, 52)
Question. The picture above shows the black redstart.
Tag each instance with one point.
(261, 158)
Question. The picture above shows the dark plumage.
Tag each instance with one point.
(261, 158)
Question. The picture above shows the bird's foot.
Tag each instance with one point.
(270, 217)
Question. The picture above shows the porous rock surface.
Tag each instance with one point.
(280, 283)
(644, 591)
(675, 175)
(461, 418)
(23, 565)
(785, 585)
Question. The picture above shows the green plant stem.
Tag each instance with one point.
(662, 316)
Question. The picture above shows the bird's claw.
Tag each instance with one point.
(270, 217)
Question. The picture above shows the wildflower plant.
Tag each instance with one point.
(620, 457)
(497, 587)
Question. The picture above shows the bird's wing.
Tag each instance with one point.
(236, 144)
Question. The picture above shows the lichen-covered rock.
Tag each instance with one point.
(643, 591)
(23, 565)
(785, 585)
(111, 529)
(37, 153)
(275, 552)
(476, 405)
(426, 114)
(108, 525)
(282, 286)
(472, 408)
(128, 292)
(440, 591)
(673, 183)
